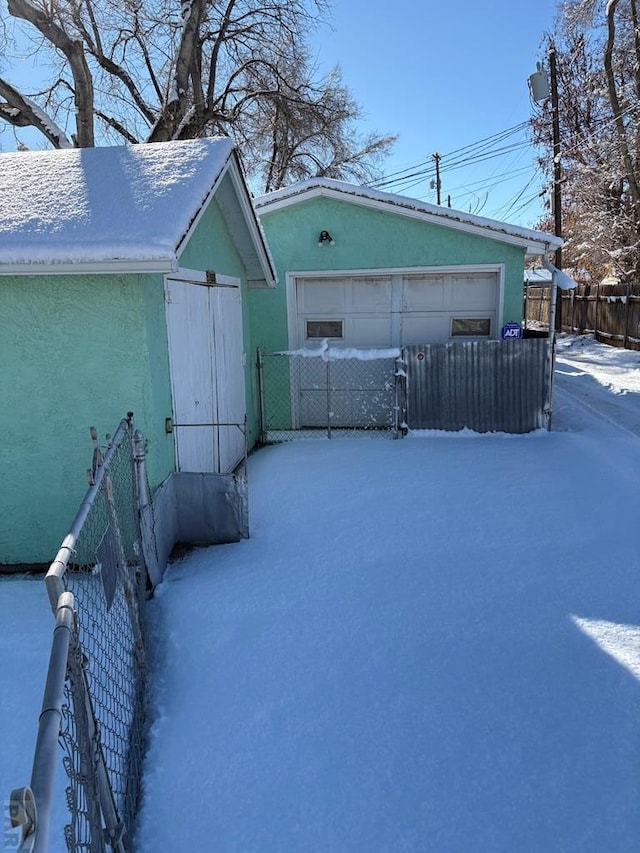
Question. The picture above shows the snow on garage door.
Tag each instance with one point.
(394, 310)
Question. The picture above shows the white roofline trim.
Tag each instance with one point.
(232, 166)
(91, 267)
(253, 223)
(184, 240)
(534, 242)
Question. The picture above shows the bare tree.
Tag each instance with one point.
(598, 60)
(301, 128)
(156, 70)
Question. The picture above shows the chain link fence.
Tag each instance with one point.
(94, 697)
(330, 392)
(500, 386)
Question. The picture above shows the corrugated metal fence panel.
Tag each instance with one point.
(487, 386)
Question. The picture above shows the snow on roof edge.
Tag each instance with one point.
(107, 204)
(121, 208)
(293, 193)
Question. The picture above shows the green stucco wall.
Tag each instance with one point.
(79, 351)
(76, 351)
(366, 238)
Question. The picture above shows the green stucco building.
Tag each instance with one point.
(364, 268)
(124, 276)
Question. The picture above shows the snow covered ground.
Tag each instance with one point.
(26, 628)
(429, 644)
(586, 369)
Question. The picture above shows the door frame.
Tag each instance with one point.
(203, 277)
(199, 278)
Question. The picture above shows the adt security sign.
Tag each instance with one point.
(511, 330)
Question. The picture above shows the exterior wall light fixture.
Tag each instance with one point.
(325, 238)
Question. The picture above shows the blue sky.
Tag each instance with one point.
(443, 76)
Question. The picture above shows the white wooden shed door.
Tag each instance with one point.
(206, 356)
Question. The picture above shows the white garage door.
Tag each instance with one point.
(396, 310)
(356, 311)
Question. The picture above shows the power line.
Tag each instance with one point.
(482, 157)
(487, 183)
(481, 151)
(500, 146)
(504, 211)
(526, 202)
(426, 168)
(416, 178)
(495, 179)
(584, 136)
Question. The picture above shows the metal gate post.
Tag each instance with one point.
(263, 424)
(144, 510)
(400, 404)
(50, 723)
(626, 316)
(329, 398)
(550, 365)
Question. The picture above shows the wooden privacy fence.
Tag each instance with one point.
(609, 311)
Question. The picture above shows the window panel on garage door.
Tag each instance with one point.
(321, 296)
(424, 328)
(354, 330)
(369, 294)
(471, 327)
(314, 329)
(476, 290)
(424, 293)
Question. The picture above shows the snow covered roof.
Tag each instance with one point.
(129, 208)
(535, 242)
(537, 276)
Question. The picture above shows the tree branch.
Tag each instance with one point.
(94, 45)
(118, 127)
(176, 103)
(215, 53)
(74, 52)
(615, 101)
(20, 111)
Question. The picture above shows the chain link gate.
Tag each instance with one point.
(330, 392)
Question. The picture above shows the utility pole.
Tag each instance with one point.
(436, 158)
(557, 169)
